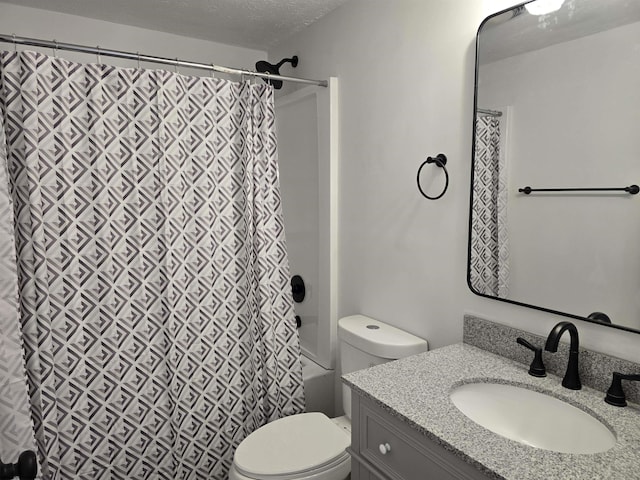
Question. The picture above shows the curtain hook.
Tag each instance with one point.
(15, 44)
(176, 65)
(138, 53)
(55, 49)
(98, 54)
(213, 72)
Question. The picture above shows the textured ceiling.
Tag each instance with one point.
(259, 24)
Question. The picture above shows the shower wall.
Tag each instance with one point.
(297, 129)
(309, 203)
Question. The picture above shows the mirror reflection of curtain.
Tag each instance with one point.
(489, 271)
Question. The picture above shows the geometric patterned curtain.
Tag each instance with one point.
(16, 426)
(155, 306)
(489, 271)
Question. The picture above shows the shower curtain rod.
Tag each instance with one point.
(493, 113)
(34, 42)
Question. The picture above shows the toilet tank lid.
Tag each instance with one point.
(378, 338)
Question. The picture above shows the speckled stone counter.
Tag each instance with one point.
(416, 390)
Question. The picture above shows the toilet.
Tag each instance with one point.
(311, 446)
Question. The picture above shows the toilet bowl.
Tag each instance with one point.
(312, 446)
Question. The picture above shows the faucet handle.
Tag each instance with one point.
(536, 368)
(615, 394)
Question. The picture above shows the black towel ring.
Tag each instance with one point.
(440, 160)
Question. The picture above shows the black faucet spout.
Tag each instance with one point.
(571, 378)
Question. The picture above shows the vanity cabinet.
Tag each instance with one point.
(385, 448)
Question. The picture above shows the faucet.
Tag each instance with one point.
(571, 378)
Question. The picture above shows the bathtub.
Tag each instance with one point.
(318, 387)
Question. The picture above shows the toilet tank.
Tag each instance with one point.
(365, 342)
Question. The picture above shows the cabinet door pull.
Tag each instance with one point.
(384, 448)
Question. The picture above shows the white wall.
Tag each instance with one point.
(573, 253)
(45, 25)
(297, 128)
(406, 91)
(307, 154)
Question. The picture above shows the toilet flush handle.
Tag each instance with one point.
(384, 448)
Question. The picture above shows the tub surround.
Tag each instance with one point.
(318, 387)
(416, 391)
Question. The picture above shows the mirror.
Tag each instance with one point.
(558, 107)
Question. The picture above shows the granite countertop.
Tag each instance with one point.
(416, 390)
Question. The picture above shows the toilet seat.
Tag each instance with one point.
(298, 446)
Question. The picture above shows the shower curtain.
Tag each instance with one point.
(489, 263)
(154, 305)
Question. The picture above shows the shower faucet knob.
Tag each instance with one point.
(298, 289)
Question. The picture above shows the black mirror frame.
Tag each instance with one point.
(470, 226)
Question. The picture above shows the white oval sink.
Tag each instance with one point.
(532, 418)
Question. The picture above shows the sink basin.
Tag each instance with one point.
(532, 418)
